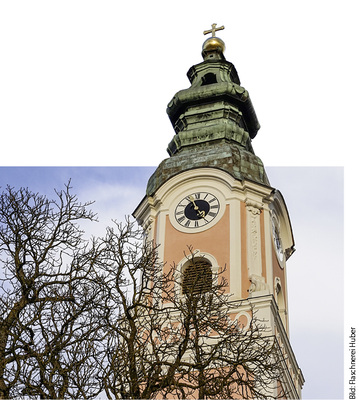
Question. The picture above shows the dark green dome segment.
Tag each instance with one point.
(227, 156)
(214, 100)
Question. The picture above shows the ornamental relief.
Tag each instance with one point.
(148, 225)
(258, 284)
(254, 207)
(254, 240)
(254, 237)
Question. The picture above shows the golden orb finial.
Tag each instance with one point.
(213, 44)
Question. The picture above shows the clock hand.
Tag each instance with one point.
(191, 199)
(200, 213)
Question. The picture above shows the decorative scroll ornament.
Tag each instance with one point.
(254, 207)
(148, 225)
(257, 284)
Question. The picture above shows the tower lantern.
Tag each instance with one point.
(213, 194)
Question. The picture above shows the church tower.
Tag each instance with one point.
(213, 194)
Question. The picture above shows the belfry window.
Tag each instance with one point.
(197, 277)
(209, 79)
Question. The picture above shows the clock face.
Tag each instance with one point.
(197, 210)
(277, 243)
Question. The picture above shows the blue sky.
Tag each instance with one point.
(315, 270)
(86, 83)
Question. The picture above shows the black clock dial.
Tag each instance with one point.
(197, 209)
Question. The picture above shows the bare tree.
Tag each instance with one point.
(79, 318)
(127, 268)
(170, 332)
(46, 309)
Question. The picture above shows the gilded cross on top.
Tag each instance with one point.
(213, 30)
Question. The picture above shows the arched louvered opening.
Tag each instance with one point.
(197, 277)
